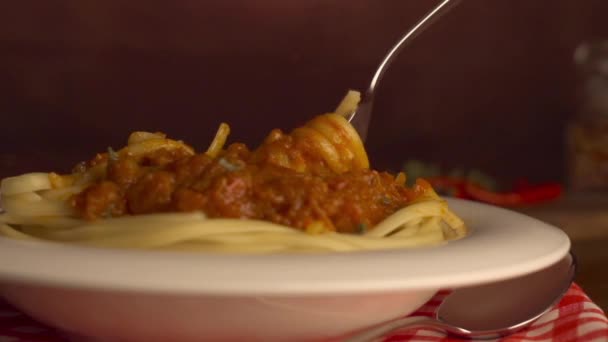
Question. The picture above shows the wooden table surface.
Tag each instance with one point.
(584, 217)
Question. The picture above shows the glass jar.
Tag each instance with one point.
(587, 132)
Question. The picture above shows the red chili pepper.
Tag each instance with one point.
(524, 192)
(542, 193)
(529, 195)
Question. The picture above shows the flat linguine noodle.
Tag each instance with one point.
(298, 192)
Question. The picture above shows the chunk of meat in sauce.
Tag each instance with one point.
(152, 193)
(124, 171)
(100, 200)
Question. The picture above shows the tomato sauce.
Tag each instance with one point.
(240, 183)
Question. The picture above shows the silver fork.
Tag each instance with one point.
(361, 117)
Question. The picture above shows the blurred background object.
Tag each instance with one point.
(476, 185)
(490, 87)
(587, 133)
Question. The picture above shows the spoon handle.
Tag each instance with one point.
(408, 322)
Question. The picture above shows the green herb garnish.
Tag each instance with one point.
(228, 165)
(361, 228)
(113, 155)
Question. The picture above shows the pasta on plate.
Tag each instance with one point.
(310, 190)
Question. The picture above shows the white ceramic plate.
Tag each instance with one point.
(501, 244)
(146, 295)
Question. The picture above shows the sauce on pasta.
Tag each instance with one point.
(239, 183)
(309, 190)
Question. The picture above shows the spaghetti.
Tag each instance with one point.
(306, 191)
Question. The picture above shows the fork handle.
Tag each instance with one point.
(361, 117)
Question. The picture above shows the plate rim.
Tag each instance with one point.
(71, 266)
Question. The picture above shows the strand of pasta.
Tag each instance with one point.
(242, 240)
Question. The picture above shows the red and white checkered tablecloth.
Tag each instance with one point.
(575, 318)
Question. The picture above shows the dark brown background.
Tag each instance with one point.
(490, 86)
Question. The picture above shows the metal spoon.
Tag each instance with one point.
(361, 117)
(491, 310)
